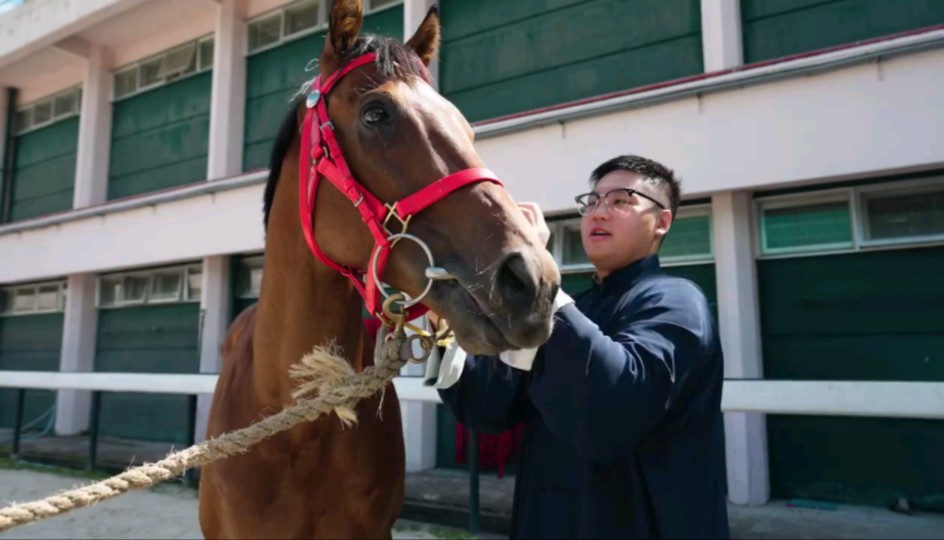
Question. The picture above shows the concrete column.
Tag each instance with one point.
(78, 352)
(739, 322)
(413, 13)
(91, 167)
(214, 321)
(721, 34)
(228, 97)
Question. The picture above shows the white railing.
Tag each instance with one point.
(839, 398)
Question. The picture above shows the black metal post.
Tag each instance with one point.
(190, 474)
(473, 481)
(93, 430)
(18, 422)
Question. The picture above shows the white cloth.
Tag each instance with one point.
(446, 372)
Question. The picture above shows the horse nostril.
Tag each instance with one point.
(516, 285)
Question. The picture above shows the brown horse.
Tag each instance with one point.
(398, 135)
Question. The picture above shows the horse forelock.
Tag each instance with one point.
(394, 61)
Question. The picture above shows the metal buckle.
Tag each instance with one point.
(429, 282)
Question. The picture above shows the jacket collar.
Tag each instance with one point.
(624, 278)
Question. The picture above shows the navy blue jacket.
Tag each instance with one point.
(623, 431)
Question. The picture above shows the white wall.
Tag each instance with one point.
(40, 23)
(212, 224)
(855, 121)
(848, 122)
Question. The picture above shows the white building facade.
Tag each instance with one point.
(807, 134)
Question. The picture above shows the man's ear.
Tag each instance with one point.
(426, 39)
(344, 24)
(664, 223)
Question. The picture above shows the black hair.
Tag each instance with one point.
(652, 171)
(394, 60)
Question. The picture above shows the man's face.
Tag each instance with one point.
(630, 228)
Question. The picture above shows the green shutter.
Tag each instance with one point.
(160, 138)
(29, 343)
(807, 227)
(500, 57)
(275, 75)
(875, 316)
(776, 28)
(147, 339)
(44, 173)
(688, 238)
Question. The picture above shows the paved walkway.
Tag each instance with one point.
(442, 496)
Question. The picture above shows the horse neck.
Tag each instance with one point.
(302, 304)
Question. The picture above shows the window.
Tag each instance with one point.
(295, 20)
(265, 32)
(689, 238)
(47, 111)
(194, 283)
(32, 298)
(166, 286)
(806, 227)
(248, 282)
(905, 214)
(377, 4)
(162, 285)
(300, 17)
(852, 219)
(572, 252)
(173, 64)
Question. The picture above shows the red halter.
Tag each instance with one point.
(327, 160)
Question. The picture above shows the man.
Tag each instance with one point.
(623, 432)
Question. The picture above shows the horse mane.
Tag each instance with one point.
(394, 59)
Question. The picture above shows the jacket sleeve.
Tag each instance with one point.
(488, 396)
(602, 392)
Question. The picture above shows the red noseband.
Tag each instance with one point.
(325, 159)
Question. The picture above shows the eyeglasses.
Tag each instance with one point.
(619, 199)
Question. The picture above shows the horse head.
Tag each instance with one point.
(398, 137)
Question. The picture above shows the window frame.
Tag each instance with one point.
(321, 25)
(61, 285)
(27, 109)
(800, 200)
(182, 296)
(911, 187)
(251, 262)
(135, 66)
(855, 196)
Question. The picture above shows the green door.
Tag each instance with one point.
(30, 343)
(777, 28)
(501, 57)
(875, 316)
(160, 138)
(44, 170)
(147, 339)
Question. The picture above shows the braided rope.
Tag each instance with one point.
(339, 389)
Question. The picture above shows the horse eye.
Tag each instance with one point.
(374, 115)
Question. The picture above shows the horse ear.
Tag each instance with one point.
(344, 24)
(426, 39)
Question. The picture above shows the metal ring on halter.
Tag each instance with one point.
(429, 282)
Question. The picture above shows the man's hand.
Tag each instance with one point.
(534, 215)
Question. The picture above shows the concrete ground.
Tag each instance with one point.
(165, 511)
(438, 496)
(170, 511)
